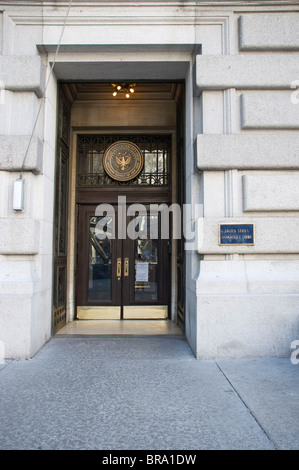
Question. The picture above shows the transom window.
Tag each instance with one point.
(156, 150)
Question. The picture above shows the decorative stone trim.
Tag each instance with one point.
(271, 192)
(12, 152)
(25, 73)
(269, 31)
(19, 236)
(250, 151)
(254, 71)
(268, 110)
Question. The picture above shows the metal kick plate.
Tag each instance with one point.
(145, 312)
(98, 313)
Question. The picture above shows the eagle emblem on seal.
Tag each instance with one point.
(123, 160)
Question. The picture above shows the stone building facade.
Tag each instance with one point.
(221, 79)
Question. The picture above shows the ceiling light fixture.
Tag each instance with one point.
(124, 89)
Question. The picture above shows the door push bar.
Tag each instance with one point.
(118, 268)
(126, 269)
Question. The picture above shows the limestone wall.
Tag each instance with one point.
(248, 154)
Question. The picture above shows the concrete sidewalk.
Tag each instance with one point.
(131, 393)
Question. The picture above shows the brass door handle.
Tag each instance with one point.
(126, 267)
(118, 267)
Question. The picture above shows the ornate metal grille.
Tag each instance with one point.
(156, 150)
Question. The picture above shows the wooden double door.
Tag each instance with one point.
(123, 264)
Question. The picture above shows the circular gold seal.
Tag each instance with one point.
(123, 161)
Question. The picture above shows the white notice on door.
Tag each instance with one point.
(141, 272)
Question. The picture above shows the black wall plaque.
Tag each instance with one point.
(236, 234)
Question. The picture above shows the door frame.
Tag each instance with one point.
(134, 197)
(72, 208)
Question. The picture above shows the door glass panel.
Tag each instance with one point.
(100, 251)
(146, 263)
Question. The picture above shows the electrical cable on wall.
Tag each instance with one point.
(46, 86)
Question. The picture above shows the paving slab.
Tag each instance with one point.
(270, 389)
(139, 393)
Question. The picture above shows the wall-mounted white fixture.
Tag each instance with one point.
(18, 195)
